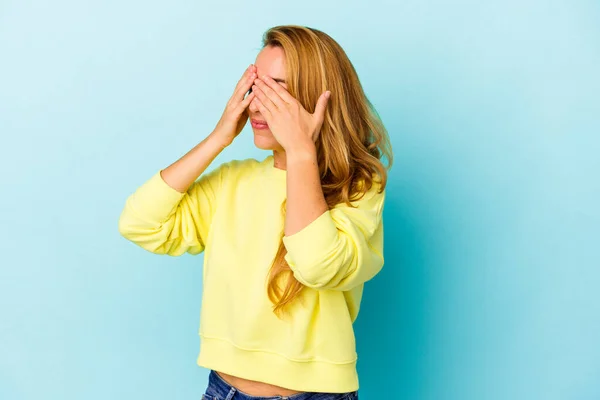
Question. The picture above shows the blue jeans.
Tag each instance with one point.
(218, 389)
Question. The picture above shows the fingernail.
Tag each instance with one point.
(327, 94)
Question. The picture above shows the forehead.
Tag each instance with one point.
(271, 61)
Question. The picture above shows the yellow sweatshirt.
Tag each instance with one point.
(232, 213)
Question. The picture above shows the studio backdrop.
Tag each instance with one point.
(490, 288)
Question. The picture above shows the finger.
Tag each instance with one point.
(264, 99)
(264, 111)
(321, 107)
(279, 89)
(249, 71)
(240, 91)
(245, 103)
(271, 94)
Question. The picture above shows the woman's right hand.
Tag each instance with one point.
(235, 116)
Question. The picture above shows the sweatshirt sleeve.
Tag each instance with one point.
(342, 248)
(163, 220)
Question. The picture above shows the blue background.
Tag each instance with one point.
(491, 284)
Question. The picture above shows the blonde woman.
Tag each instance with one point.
(288, 241)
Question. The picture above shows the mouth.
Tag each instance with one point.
(257, 124)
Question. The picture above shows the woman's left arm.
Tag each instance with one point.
(335, 249)
(305, 199)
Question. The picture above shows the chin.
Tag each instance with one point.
(265, 142)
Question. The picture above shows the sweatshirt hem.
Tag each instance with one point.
(276, 369)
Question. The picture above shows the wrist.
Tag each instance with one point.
(217, 140)
(302, 151)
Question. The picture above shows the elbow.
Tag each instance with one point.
(136, 232)
(125, 225)
(326, 271)
(343, 272)
(159, 239)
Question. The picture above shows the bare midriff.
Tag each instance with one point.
(255, 388)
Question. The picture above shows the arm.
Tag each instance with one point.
(171, 212)
(335, 249)
(305, 199)
(183, 172)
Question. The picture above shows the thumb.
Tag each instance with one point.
(321, 107)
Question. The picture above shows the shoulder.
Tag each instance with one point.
(245, 163)
(364, 213)
(237, 168)
(369, 197)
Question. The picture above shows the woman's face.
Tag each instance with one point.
(271, 62)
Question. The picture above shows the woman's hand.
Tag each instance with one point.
(235, 115)
(292, 126)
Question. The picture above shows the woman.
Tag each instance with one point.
(290, 240)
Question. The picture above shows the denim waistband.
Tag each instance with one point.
(224, 391)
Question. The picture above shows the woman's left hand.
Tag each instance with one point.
(290, 123)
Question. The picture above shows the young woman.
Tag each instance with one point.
(288, 241)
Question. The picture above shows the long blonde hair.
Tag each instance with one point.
(352, 140)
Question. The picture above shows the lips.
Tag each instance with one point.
(258, 124)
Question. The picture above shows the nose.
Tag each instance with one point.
(253, 107)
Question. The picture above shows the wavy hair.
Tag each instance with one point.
(352, 141)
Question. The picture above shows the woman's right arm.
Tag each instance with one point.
(171, 213)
